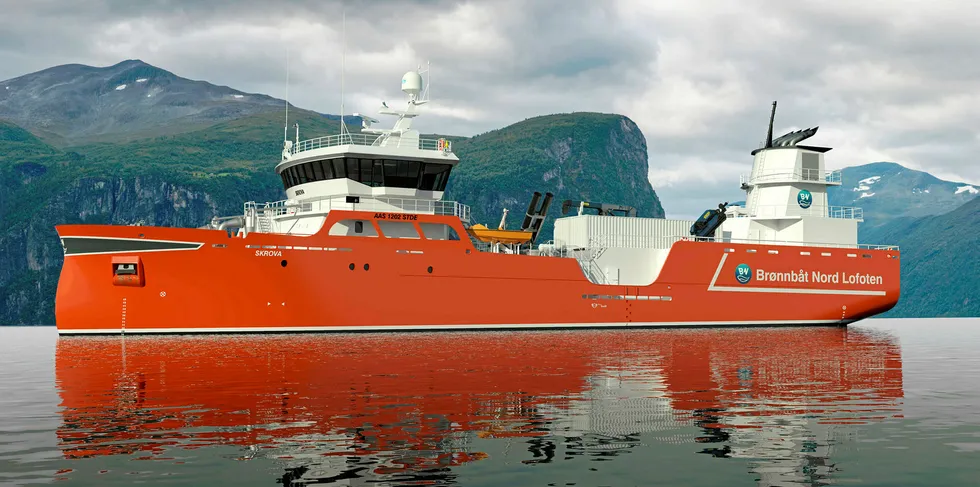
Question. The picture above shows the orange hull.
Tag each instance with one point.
(194, 280)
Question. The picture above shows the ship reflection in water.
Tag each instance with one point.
(358, 409)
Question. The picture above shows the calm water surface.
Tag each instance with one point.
(884, 402)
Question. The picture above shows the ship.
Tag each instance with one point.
(364, 241)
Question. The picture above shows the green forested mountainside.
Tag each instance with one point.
(940, 262)
(187, 178)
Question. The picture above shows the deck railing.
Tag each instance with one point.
(664, 242)
(261, 214)
(842, 212)
(371, 140)
(803, 176)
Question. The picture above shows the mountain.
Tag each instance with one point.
(886, 190)
(578, 156)
(74, 103)
(940, 262)
(185, 179)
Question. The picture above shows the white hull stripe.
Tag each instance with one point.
(287, 329)
(784, 290)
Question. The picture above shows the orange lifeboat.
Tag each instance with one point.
(494, 236)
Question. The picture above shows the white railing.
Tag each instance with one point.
(371, 140)
(806, 175)
(842, 212)
(664, 242)
(629, 242)
(833, 177)
(845, 212)
(787, 242)
(259, 216)
(324, 205)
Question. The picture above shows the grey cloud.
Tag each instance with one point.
(856, 70)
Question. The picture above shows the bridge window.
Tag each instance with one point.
(317, 171)
(339, 170)
(353, 169)
(435, 176)
(401, 174)
(429, 176)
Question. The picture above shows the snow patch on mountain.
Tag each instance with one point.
(871, 180)
(865, 184)
(120, 87)
(866, 195)
(967, 189)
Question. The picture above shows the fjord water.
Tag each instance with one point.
(882, 402)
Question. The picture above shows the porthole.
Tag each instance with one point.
(366, 267)
(283, 263)
(351, 266)
(429, 269)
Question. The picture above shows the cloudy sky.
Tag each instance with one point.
(888, 80)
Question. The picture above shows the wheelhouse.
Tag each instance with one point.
(372, 172)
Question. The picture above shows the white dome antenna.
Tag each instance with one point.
(412, 84)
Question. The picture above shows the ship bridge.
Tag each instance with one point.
(373, 170)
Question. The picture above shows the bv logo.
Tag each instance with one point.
(743, 274)
(805, 199)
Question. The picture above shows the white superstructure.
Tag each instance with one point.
(786, 204)
(373, 170)
(786, 197)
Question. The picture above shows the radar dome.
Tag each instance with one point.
(412, 83)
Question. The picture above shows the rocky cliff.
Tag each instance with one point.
(578, 156)
(31, 255)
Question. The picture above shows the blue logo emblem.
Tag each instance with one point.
(743, 274)
(805, 199)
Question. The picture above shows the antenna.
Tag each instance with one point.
(771, 118)
(285, 128)
(343, 71)
(428, 80)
